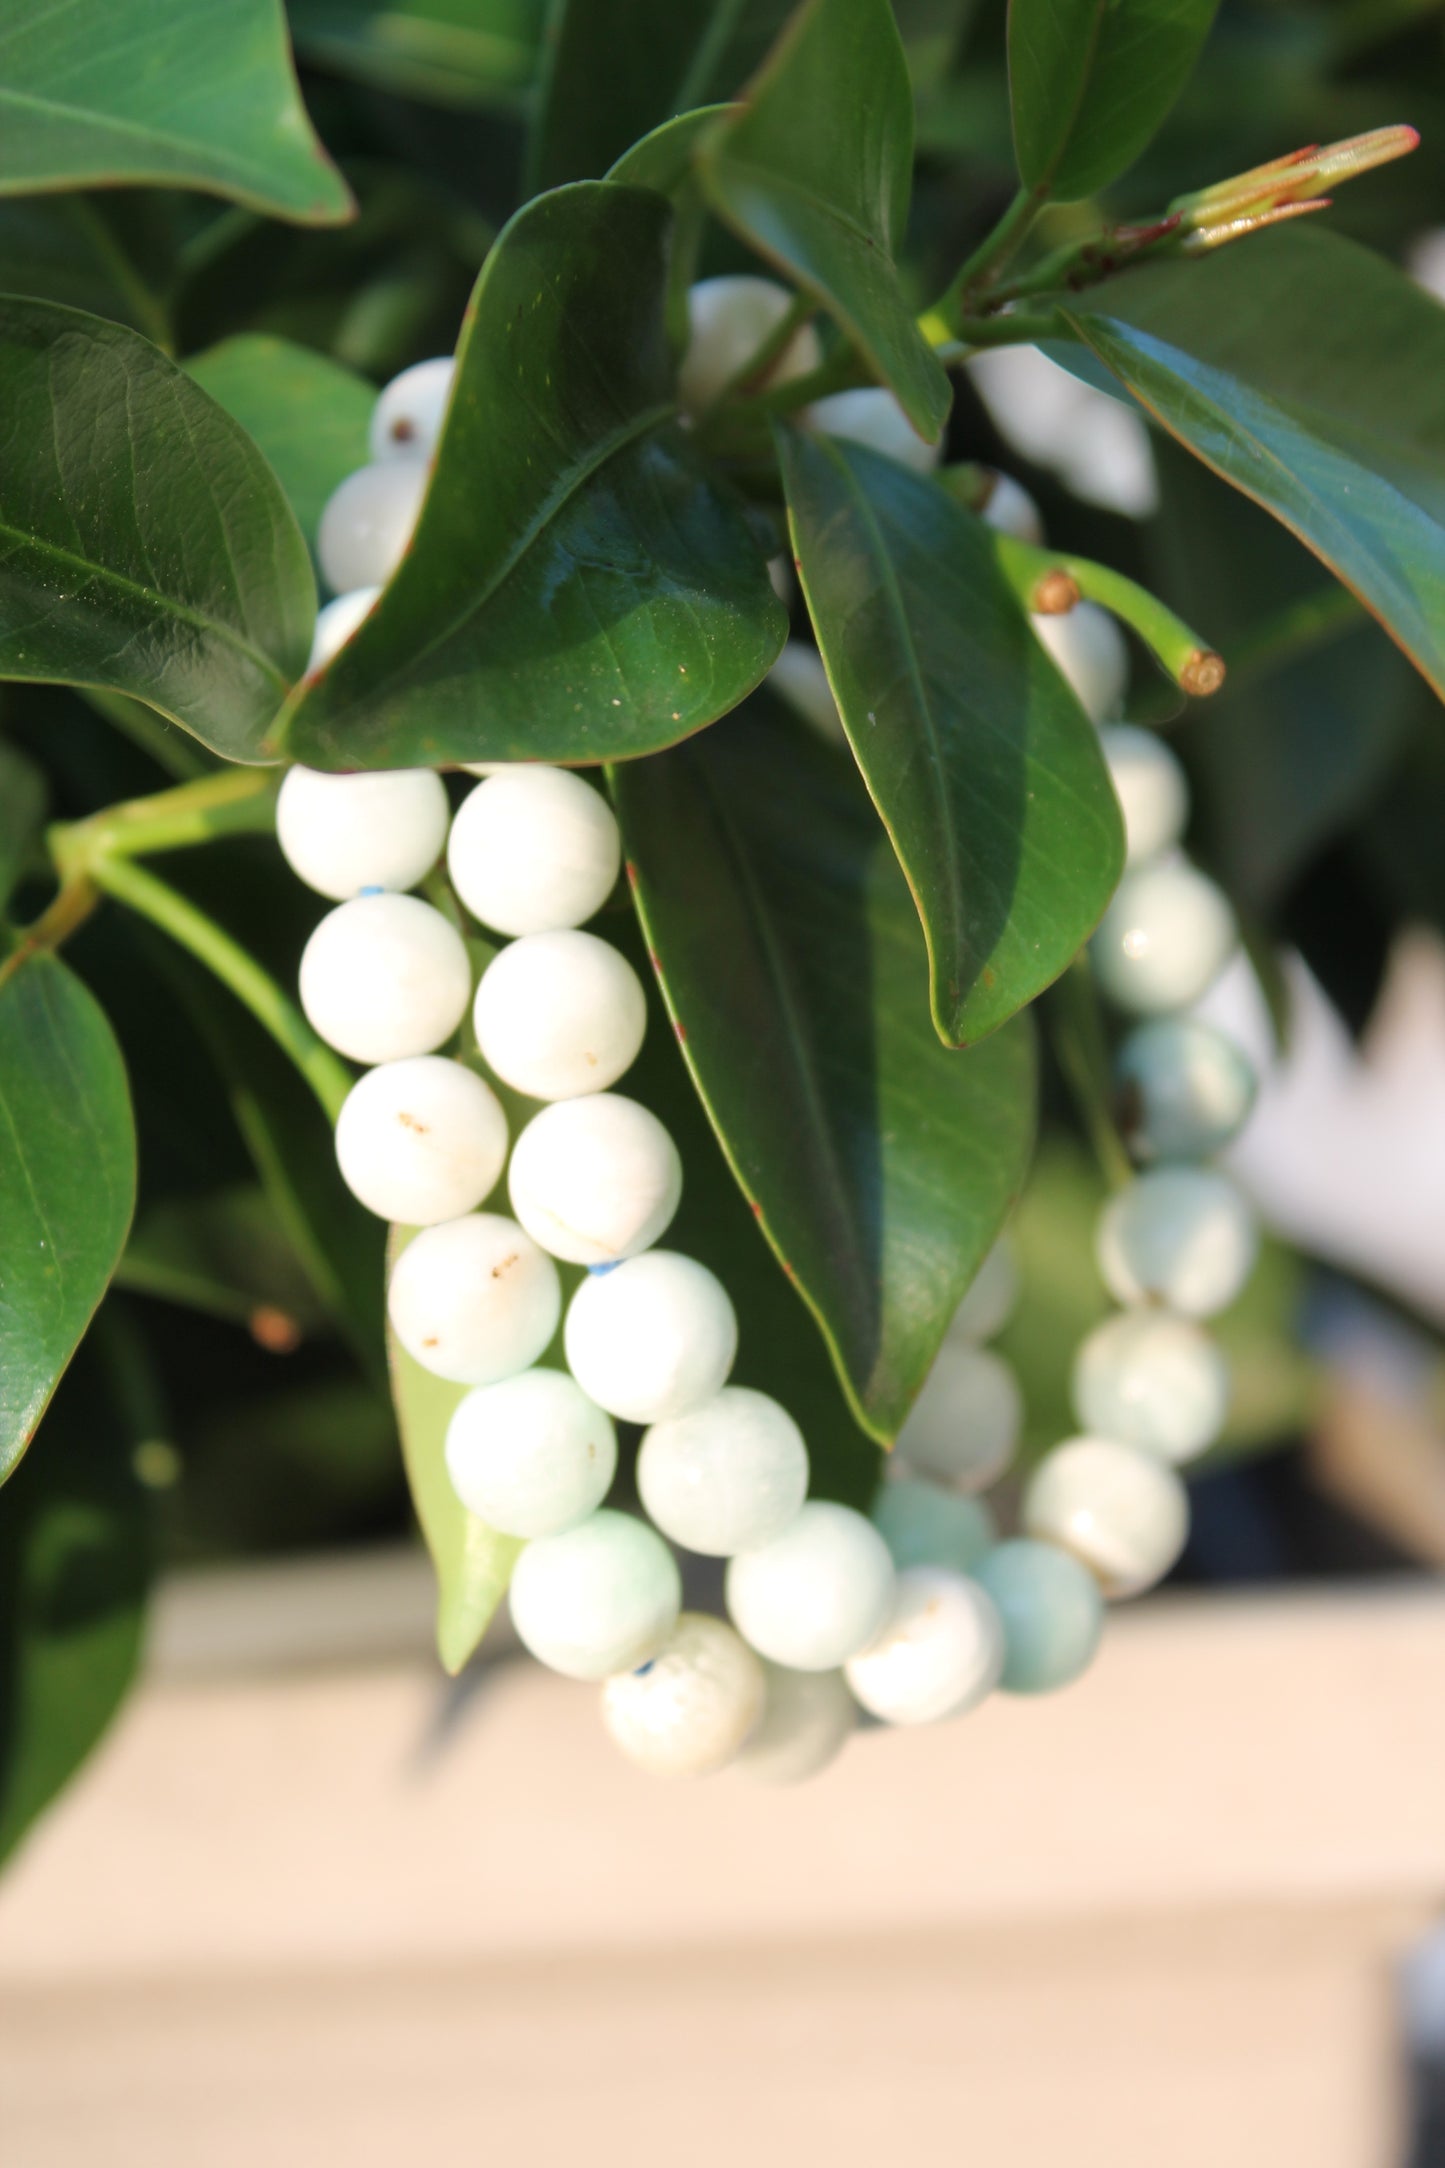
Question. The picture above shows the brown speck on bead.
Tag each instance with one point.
(414, 1123)
(505, 1264)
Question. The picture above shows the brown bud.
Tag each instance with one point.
(1203, 673)
(273, 1330)
(1055, 593)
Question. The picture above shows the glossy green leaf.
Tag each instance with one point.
(308, 415)
(615, 73)
(145, 545)
(578, 588)
(879, 1163)
(67, 1178)
(111, 253)
(473, 1563)
(666, 161)
(22, 809)
(984, 767)
(1091, 80)
(815, 170)
(74, 1569)
(450, 52)
(184, 93)
(1307, 372)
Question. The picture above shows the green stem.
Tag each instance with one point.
(992, 253)
(238, 801)
(1194, 667)
(753, 375)
(66, 911)
(1015, 328)
(254, 987)
(1298, 630)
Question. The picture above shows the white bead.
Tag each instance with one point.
(992, 1297)
(421, 1140)
(799, 678)
(780, 579)
(652, 1338)
(474, 1299)
(595, 1179)
(728, 320)
(384, 977)
(336, 622)
(530, 1455)
(559, 1014)
(1012, 511)
(964, 1426)
(1164, 939)
(1152, 792)
(342, 833)
(727, 1476)
(1180, 1236)
(1089, 650)
(534, 850)
(1051, 1610)
(940, 1652)
(1154, 1381)
(1123, 1514)
(874, 417)
(807, 1720)
(1185, 1089)
(925, 1525)
(367, 524)
(687, 1712)
(599, 1598)
(407, 419)
(817, 1593)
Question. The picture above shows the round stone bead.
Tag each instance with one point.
(1152, 792)
(1152, 1380)
(1051, 1610)
(1185, 1089)
(367, 524)
(407, 419)
(1165, 938)
(727, 1476)
(728, 320)
(600, 1598)
(336, 622)
(817, 1593)
(421, 1141)
(992, 1298)
(687, 1712)
(1122, 1513)
(534, 850)
(939, 1653)
(474, 1299)
(653, 1338)
(530, 1455)
(559, 1014)
(925, 1525)
(385, 977)
(874, 417)
(807, 1719)
(1089, 650)
(595, 1179)
(342, 833)
(1180, 1236)
(964, 1426)
(1012, 510)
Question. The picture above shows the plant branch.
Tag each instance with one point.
(1194, 667)
(70, 908)
(238, 801)
(990, 256)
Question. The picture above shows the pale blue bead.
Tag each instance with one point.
(1052, 1614)
(1184, 1089)
(925, 1525)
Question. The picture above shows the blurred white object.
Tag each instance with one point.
(874, 417)
(1090, 650)
(1098, 447)
(799, 678)
(1425, 261)
(1345, 1151)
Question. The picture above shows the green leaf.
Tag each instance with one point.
(815, 171)
(577, 588)
(228, 1255)
(666, 161)
(144, 544)
(307, 414)
(1091, 80)
(110, 253)
(67, 1175)
(615, 73)
(985, 769)
(879, 1163)
(184, 93)
(473, 1563)
(465, 53)
(22, 810)
(1307, 372)
(74, 1569)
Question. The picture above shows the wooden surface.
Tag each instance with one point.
(348, 1912)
